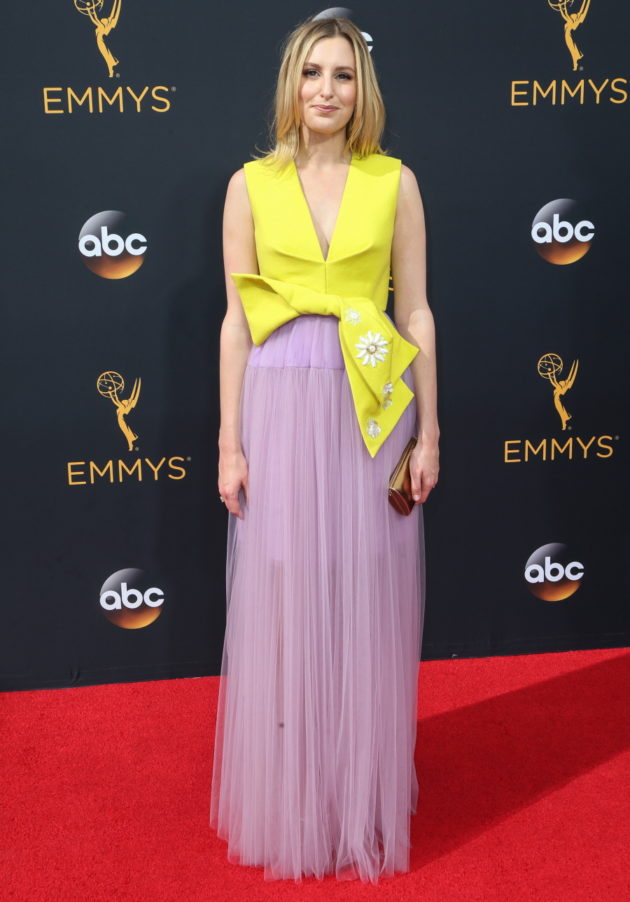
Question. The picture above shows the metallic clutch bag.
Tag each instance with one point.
(399, 487)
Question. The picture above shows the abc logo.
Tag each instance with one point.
(109, 247)
(127, 602)
(552, 574)
(559, 234)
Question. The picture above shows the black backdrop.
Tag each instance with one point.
(485, 106)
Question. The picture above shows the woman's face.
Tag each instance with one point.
(328, 87)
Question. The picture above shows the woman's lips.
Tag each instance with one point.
(325, 109)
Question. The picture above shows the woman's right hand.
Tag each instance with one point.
(233, 473)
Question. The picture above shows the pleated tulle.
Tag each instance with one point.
(313, 769)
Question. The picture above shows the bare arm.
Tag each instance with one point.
(414, 321)
(239, 255)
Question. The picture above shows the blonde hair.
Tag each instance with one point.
(365, 127)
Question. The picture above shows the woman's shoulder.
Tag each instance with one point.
(249, 172)
(265, 165)
(407, 176)
(388, 165)
(379, 159)
(381, 163)
(237, 194)
(409, 194)
(252, 184)
(239, 176)
(237, 187)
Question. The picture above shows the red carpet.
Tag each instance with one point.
(523, 765)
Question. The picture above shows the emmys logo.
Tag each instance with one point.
(95, 98)
(550, 367)
(571, 22)
(108, 385)
(555, 237)
(105, 252)
(579, 91)
(126, 603)
(111, 385)
(551, 574)
(102, 27)
(524, 450)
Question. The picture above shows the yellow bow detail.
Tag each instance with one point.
(374, 353)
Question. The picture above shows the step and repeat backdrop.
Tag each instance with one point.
(124, 120)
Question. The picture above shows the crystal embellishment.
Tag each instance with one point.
(373, 428)
(372, 347)
(352, 316)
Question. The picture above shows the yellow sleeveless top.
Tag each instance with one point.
(351, 283)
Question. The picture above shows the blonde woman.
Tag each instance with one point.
(321, 390)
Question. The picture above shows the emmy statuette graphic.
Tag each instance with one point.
(109, 384)
(549, 367)
(571, 22)
(102, 25)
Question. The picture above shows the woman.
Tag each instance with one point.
(313, 764)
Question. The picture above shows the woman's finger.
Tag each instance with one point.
(416, 482)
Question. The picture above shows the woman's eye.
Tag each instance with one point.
(344, 75)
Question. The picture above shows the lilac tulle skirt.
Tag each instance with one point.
(313, 769)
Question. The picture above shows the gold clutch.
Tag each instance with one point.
(399, 487)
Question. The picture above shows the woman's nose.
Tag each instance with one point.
(327, 87)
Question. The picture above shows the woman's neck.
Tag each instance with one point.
(322, 152)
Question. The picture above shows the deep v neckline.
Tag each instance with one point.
(309, 215)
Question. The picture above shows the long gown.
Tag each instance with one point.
(313, 769)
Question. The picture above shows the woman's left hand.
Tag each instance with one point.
(424, 467)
